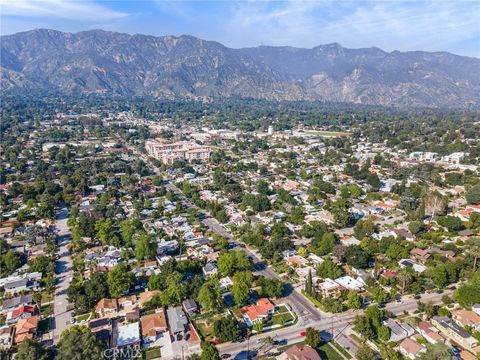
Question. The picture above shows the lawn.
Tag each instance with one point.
(83, 317)
(327, 352)
(47, 297)
(204, 325)
(341, 349)
(152, 353)
(280, 313)
(47, 310)
(315, 302)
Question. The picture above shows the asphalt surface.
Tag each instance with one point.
(330, 327)
(63, 269)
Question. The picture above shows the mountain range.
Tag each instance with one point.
(187, 67)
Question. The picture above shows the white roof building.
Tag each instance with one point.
(128, 334)
(350, 283)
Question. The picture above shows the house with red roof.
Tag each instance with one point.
(262, 309)
(23, 312)
(26, 329)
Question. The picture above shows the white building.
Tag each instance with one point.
(169, 153)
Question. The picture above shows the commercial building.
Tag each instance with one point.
(169, 153)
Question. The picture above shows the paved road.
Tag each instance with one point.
(64, 273)
(303, 307)
(338, 323)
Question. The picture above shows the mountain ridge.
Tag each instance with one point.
(99, 61)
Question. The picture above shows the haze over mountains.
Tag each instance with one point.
(187, 67)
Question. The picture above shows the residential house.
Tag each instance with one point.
(398, 330)
(350, 283)
(23, 312)
(6, 334)
(330, 289)
(225, 283)
(300, 352)
(127, 335)
(456, 332)
(106, 307)
(429, 332)
(410, 348)
(26, 329)
(419, 254)
(127, 301)
(190, 307)
(22, 285)
(177, 320)
(419, 268)
(466, 318)
(210, 269)
(262, 309)
(153, 326)
(13, 303)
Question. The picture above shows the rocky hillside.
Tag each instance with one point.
(187, 67)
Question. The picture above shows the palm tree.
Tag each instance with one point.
(473, 245)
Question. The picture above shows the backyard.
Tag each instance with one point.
(204, 324)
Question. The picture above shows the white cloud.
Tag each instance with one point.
(83, 10)
(391, 25)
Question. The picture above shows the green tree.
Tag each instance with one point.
(364, 228)
(32, 349)
(258, 326)
(226, 329)
(404, 278)
(105, 232)
(233, 261)
(438, 351)
(452, 223)
(473, 248)
(473, 195)
(364, 327)
(355, 256)
(353, 300)
(42, 263)
(210, 295)
(209, 352)
(175, 291)
(119, 280)
(313, 337)
(379, 295)
(12, 260)
(328, 269)
(383, 333)
(145, 247)
(439, 276)
(271, 288)
(365, 353)
(79, 343)
(242, 282)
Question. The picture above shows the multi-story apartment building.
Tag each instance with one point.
(170, 152)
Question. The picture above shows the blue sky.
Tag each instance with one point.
(435, 25)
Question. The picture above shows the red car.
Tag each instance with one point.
(302, 333)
